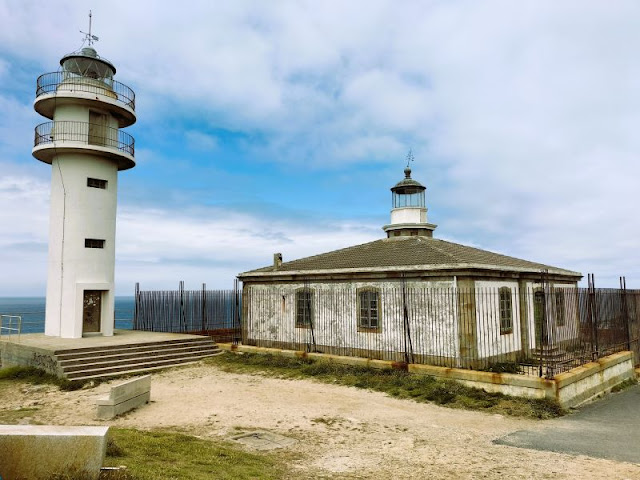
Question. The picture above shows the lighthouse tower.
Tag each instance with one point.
(408, 212)
(85, 147)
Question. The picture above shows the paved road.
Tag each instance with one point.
(608, 428)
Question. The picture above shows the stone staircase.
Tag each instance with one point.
(110, 361)
(557, 360)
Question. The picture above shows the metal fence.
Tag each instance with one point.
(204, 312)
(541, 331)
(538, 331)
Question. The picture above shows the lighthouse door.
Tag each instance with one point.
(91, 307)
(97, 128)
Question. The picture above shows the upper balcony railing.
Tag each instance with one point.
(57, 81)
(86, 133)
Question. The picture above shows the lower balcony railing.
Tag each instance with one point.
(84, 132)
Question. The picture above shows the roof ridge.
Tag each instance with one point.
(442, 251)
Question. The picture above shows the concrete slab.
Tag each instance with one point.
(608, 428)
(124, 397)
(37, 452)
(120, 337)
(39, 350)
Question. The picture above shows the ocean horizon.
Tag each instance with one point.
(32, 312)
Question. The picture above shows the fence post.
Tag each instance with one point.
(135, 306)
(183, 318)
(408, 345)
(543, 320)
(593, 317)
(625, 312)
(236, 338)
(204, 307)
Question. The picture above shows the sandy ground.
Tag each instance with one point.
(341, 432)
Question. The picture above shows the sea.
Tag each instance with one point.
(31, 310)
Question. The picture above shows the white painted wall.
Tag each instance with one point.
(79, 212)
(490, 341)
(409, 215)
(570, 330)
(432, 316)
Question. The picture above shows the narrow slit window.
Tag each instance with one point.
(93, 243)
(506, 311)
(96, 183)
(304, 308)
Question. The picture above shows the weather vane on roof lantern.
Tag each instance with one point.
(87, 36)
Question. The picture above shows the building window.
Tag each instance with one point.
(93, 243)
(559, 308)
(304, 309)
(96, 183)
(369, 309)
(506, 311)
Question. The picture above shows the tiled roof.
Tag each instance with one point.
(411, 252)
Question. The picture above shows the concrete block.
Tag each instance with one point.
(37, 452)
(124, 397)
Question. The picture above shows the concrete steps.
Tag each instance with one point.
(111, 361)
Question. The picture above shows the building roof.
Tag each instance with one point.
(407, 253)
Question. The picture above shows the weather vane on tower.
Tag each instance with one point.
(87, 36)
(409, 158)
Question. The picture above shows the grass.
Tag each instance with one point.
(11, 417)
(38, 376)
(395, 383)
(150, 455)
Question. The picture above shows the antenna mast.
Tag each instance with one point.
(87, 36)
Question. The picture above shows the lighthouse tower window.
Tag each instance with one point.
(93, 243)
(96, 183)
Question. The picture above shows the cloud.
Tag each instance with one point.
(522, 117)
(212, 245)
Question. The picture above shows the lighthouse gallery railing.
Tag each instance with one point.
(86, 133)
(55, 81)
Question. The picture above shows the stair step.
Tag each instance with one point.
(136, 361)
(122, 369)
(130, 372)
(107, 356)
(137, 347)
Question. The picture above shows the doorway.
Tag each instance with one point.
(97, 128)
(91, 311)
(539, 317)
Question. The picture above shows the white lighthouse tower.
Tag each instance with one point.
(85, 147)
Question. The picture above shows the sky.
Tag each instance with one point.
(280, 126)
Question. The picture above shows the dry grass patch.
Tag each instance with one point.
(395, 383)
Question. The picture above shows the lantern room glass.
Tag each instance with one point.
(408, 199)
(80, 66)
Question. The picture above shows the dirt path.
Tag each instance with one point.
(342, 432)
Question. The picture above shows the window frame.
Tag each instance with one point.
(505, 307)
(94, 243)
(97, 183)
(365, 323)
(304, 294)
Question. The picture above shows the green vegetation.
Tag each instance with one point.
(38, 376)
(629, 382)
(10, 417)
(395, 383)
(503, 367)
(150, 455)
